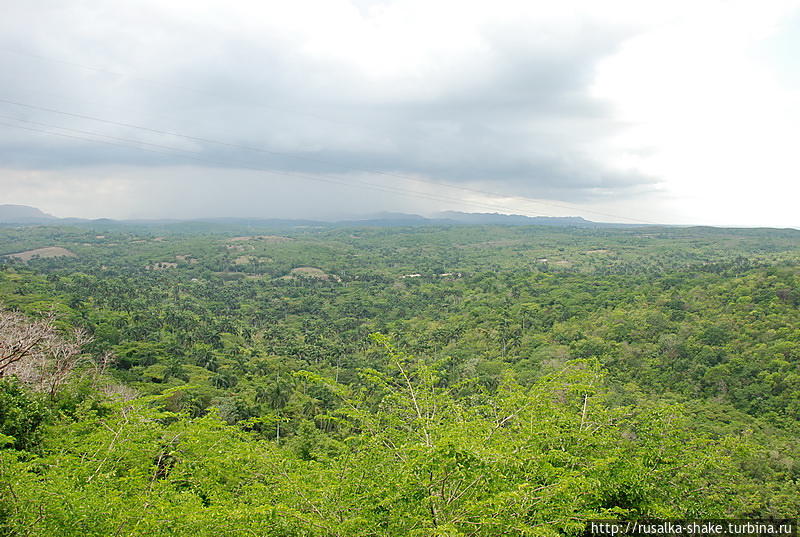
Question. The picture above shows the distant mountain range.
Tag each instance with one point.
(515, 219)
(23, 214)
(454, 217)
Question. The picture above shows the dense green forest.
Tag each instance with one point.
(220, 379)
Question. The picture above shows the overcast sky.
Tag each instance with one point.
(682, 112)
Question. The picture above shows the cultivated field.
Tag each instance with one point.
(48, 251)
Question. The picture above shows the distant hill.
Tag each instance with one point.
(23, 214)
(460, 218)
(388, 219)
(514, 219)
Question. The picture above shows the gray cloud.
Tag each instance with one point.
(514, 115)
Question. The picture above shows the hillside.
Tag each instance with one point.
(30, 215)
(23, 214)
(412, 380)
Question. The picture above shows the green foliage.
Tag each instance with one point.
(22, 415)
(408, 457)
(636, 373)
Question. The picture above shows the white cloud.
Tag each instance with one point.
(652, 110)
(719, 127)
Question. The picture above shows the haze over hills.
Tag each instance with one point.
(11, 214)
(516, 219)
(23, 214)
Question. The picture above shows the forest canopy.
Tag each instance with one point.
(441, 380)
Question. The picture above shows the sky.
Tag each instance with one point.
(681, 112)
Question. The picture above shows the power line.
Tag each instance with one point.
(170, 151)
(319, 161)
(152, 82)
(290, 155)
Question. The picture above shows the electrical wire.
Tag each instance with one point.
(170, 151)
(319, 161)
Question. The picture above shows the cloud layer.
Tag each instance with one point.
(501, 97)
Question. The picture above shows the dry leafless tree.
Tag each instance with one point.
(37, 353)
